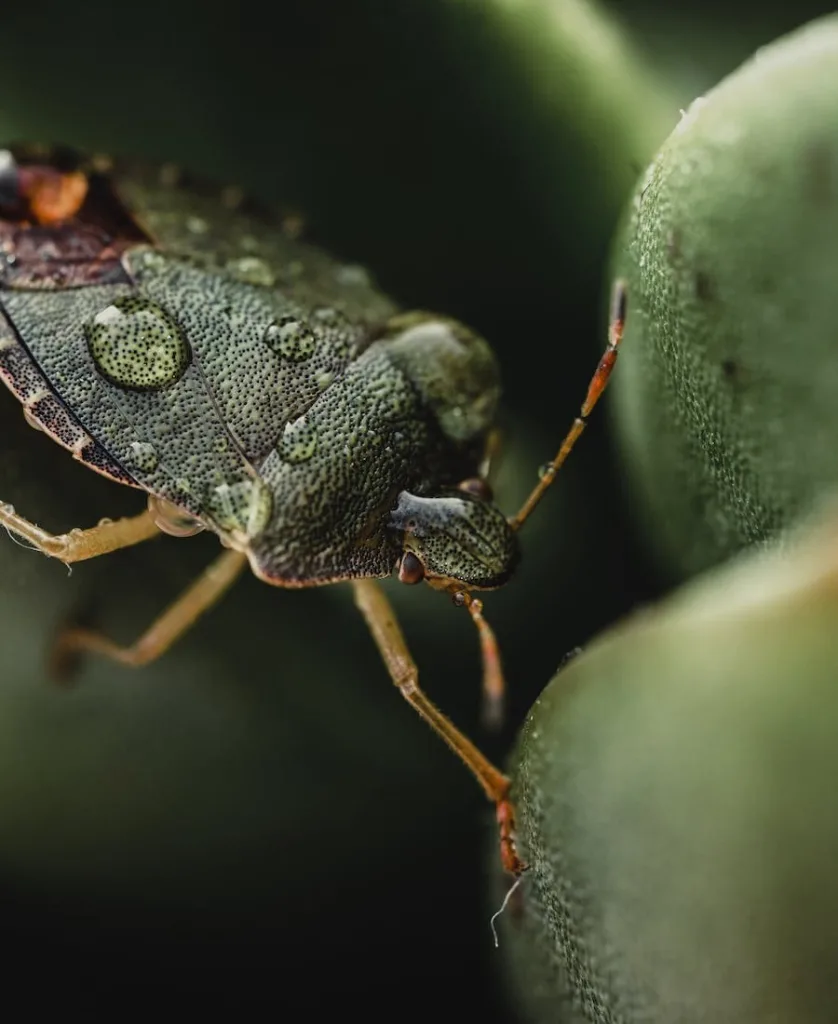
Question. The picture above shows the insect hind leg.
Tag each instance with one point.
(179, 617)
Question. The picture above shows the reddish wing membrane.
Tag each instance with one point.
(59, 228)
(61, 223)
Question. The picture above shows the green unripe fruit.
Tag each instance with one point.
(676, 804)
(727, 391)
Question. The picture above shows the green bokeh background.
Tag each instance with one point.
(259, 809)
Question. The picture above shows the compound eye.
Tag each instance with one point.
(411, 569)
(477, 487)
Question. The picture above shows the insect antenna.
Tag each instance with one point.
(547, 473)
(494, 687)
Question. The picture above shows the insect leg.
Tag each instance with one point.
(381, 620)
(173, 623)
(77, 545)
(595, 390)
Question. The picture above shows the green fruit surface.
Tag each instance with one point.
(726, 392)
(675, 788)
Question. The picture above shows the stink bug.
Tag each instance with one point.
(182, 343)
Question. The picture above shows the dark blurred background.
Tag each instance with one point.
(258, 821)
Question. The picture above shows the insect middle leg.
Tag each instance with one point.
(77, 545)
(381, 619)
(165, 630)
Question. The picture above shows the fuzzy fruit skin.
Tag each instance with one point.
(675, 793)
(725, 399)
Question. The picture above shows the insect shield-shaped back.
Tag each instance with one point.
(457, 538)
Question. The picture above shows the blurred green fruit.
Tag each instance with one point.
(675, 788)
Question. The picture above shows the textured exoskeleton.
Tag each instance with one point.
(177, 341)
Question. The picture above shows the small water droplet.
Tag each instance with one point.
(327, 315)
(298, 442)
(251, 270)
(149, 259)
(136, 345)
(171, 519)
(546, 470)
(144, 456)
(29, 416)
(353, 275)
(291, 339)
(323, 380)
(197, 225)
(241, 508)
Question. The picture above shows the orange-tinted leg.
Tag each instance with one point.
(595, 389)
(381, 619)
(77, 545)
(494, 685)
(163, 632)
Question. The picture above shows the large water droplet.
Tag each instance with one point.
(291, 339)
(144, 456)
(298, 442)
(137, 345)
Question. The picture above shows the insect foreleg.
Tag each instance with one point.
(77, 545)
(381, 619)
(165, 630)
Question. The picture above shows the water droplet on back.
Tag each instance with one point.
(251, 270)
(150, 259)
(137, 345)
(242, 508)
(144, 456)
(298, 442)
(291, 339)
(546, 470)
(327, 315)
